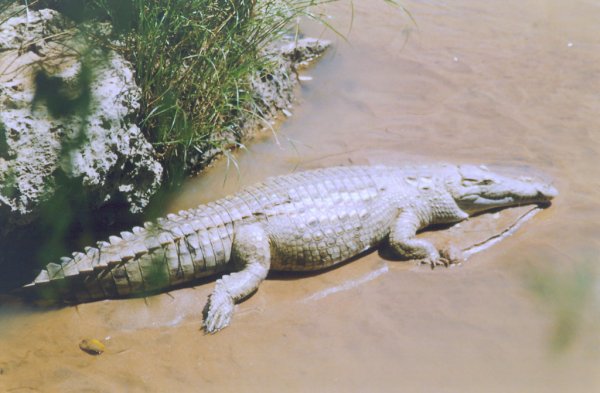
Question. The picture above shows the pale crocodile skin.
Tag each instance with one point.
(299, 222)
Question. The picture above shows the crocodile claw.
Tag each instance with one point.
(434, 262)
(218, 311)
(446, 257)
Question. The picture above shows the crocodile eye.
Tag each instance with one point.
(477, 182)
(469, 182)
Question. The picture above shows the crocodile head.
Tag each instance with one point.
(476, 189)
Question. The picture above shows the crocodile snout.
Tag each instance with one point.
(547, 192)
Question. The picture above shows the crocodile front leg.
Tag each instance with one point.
(251, 250)
(404, 243)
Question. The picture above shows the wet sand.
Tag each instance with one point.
(512, 84)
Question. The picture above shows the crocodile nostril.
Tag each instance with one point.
(548, 192)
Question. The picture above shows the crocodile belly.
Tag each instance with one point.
(315, 240)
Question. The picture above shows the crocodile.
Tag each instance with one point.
(304, 221)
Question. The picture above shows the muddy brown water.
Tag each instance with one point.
(513, 84)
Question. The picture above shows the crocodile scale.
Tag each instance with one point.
(299, 222)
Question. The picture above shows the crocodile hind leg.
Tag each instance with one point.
(404, 243)
(251, 251)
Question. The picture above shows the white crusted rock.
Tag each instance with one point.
(115, 162)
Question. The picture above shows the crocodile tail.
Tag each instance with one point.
(100, 272)
(174, 250)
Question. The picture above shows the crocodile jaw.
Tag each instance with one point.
(476, 189)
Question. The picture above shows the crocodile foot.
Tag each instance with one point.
(448, 256)
(434, 262)
(218, 311)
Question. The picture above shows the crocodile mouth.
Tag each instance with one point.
(479, 200)
(488, 202)
(542, 199)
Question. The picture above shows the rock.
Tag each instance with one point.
(94, 153)
(27, 27)
(114, 161)
(303, 51)
(92, 346)
(273, 91)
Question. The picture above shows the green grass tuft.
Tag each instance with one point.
(193, 61)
